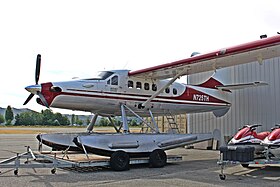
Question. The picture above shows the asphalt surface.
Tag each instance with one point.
(198, 168)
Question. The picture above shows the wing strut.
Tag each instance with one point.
(123, 106)
(163, 88)
(92, 123)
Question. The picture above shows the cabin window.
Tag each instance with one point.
(109, 81)
(146, 86)
(175, 91)
(167, 90)
(138, 85)
(154, 87)
(130, 84)
(115, 80)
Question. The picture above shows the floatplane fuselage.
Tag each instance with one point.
(105, 95)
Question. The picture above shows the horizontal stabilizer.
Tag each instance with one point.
(241, 86)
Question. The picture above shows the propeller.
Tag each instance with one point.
(28, 98)
(38, 67)
(36, 89)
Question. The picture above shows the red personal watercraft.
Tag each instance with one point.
(272, 142)
(248, 136)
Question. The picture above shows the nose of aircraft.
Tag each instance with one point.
(34, 88)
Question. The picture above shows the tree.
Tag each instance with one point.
(9, 115)
(104, 122)
(29, 118)
(75, 120)
(2, 120)
(47, 117)
(61, 120)
(88, 120)
(133, 122)
(116, 121)
(78, 121)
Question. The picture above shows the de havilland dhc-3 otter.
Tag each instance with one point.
(146, 92)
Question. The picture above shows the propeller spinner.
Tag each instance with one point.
(36, 89)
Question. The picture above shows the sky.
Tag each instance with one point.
(79, 38)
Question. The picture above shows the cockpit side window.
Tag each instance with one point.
(102, 75)
(115, 80)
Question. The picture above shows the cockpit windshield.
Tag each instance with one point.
(102, 75)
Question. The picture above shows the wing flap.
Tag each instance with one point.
(256, 51)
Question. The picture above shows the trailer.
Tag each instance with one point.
(233, 155)
(73, 161)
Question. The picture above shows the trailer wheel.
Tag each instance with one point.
(157, 158)
(119, 161)
(222, 177)
(53, 171)
(16, 172)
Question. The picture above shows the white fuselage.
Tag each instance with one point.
(104, 95)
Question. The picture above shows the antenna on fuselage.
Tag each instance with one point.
(124, 67)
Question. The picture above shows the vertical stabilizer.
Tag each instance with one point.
(218, 78)
(211, 85)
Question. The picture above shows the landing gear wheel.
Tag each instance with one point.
(245, 165)
(119, 161)
(222, 176)
(53, 171)
(16, 172)
(157, 158)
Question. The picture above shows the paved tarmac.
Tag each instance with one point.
(198, 168)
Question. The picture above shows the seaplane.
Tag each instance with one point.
(148, 92)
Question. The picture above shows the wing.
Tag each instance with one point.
(245, 53)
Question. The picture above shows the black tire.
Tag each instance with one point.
(158, 158)
(16, 172)
(222, 177)
(53, 171)
(119, 161)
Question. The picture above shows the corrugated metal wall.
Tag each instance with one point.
(259, 105)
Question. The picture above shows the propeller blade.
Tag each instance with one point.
(38, 67)
(44, 101)
(28, 98)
